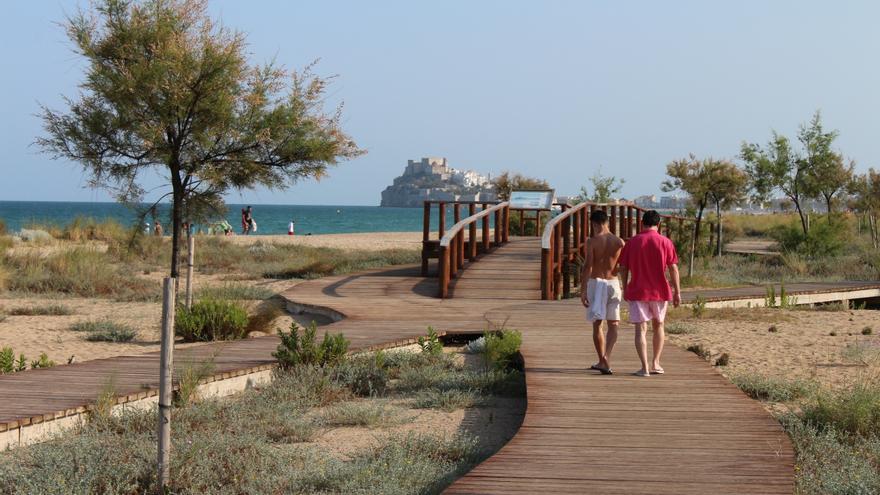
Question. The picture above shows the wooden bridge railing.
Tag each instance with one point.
(564, 242)
(454, 249)
(431, 247)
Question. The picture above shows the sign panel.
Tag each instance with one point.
(531, 200)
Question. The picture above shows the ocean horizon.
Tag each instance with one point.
(272, 219)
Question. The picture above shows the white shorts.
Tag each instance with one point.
(642, 311)
(607, 305)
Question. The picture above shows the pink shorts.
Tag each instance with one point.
(642, 311)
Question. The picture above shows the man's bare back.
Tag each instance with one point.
(602, 253)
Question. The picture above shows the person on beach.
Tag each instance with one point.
(602, 294)
(290, 227)
(157, 230)
(245, 221)
(252, 224)
(646, 258)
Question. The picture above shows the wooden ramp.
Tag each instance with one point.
(689, 431)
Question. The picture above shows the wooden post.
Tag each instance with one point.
(506, 225)
(166, 370)
(629, 222)
(460, 238)
(485, 229)
(472, 233)
(456, 216)
(612, 220)
(592, 209)
(444, 272)
(426, 236)
(522, 222)
(538, 223)
(546, 265)
(621, 217)
(566, 257)
(557, 275)
(497, 226)
(456, 212)
(693, 250)
(190, 256)
(453, 257)
(638, 221)
(576, 237)
(442, 220)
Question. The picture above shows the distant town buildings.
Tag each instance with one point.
(432, 178)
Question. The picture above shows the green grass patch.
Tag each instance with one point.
(42, 310)
(445, 400)
(105, 331)
(235, 292)
(367, 413)
(772, 389)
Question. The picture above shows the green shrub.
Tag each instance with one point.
(44, 310)
(854, 410)
(235, 292)
(445, 400)
(295, 350)
(365, 375)
(867, 331)
(676, 328)
(431, 344)
(209, 320)
(832, 462)
(699, 306)
(370, 414)
(768, 388)
(42, 362)
(105, 331)
(699, 350)
(7, 360)
(825, 238)
(502, 348)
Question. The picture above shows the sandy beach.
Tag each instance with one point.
(370, 241)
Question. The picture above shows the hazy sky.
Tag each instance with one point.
(547, 88)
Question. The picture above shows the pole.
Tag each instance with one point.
(190, 255)
(166, 371)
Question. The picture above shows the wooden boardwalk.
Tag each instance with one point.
(689, 431)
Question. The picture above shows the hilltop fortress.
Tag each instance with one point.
(433, 179)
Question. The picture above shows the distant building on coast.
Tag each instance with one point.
(432, 178)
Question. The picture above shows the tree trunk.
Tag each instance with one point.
(720, 228)
(804, 222)
(828, 200)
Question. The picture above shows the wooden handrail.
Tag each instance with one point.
(452, 246)
(565, 237)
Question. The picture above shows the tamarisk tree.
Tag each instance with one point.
(169, 91)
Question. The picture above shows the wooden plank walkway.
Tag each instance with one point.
(689, 431)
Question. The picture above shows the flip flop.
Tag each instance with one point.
(642, 373)
(596, 367)
(658, 371)
(606, 371)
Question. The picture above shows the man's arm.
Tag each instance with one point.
(676, 285)
(624, 277)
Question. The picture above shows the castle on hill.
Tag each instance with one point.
(432, 178)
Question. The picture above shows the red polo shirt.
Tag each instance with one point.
(646, 256)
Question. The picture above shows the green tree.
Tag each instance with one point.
(169, 90)
(865, 190)
(506, 183)
(728, 185)
(800, 175)
(604, 188)
(694, 177)
(831, 177)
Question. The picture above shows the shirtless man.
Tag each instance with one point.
(602, 294)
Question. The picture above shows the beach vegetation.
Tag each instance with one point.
(430, 344)
(304, 349)
(189, 379)
(105, 331)
(41, 310)
(211, 319)
(502, 349)
(605, 187)
(263, 445)
(772, 389)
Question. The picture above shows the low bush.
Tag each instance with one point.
(209, 320)
(676, 328)
(370, 414)
(235, 292)
(42, 362)
(826, 238)
(366, 375)
(431, 344)
(297, 350)
(445, 400)
(854, 410)
(502, 348)
(832, 462)
(105, 331)
(44, 310)
(768, 388)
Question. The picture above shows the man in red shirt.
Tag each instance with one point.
(647, 257)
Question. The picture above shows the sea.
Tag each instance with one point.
(271, 219)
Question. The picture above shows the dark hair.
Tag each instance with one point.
(599, 216)
(651, 218)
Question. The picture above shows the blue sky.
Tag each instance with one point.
(547, 88)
